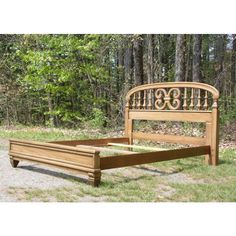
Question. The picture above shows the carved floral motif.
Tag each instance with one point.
(167, 99)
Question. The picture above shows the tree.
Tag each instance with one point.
(67, 80)
(197, 47)
(219, 54)
(138, 59)
(150, 58)
(233, 64)
(128, 62)
(59, 69)
(179, 58)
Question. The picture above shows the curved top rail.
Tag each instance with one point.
(173, 96)
(203, 86)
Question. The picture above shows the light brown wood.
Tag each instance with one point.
(107, 149)
(126, 121)
(169, 138)
(171, 115)
(205, 106)
(208, 142)
(142, 158)
(137, 147)
(206, 87)
(178, 101)
(86, 161)
(97, 142)
(215, 137)
(130, 131)
(191, 106)
(164, 104)
(185, 99)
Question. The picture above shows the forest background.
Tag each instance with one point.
(76, 80)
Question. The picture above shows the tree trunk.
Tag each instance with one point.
(7, 111)
(188, 59)
(138, 59)
(179, 58)
(120, 64)
(128, 64)
(233, 65)
(150, 59)
(219, 60)
(50, 109)
(197, 47)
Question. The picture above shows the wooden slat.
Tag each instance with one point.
(142, 158)
(139, 100)
(96, 142)
(205, 106)
(106, 149)
(169, 138)
(137, 146)
(149, 106)
(185, 99)
(144, 99)
(199, 100)
(191, 100)
(171, 115)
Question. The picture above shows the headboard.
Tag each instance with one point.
(174, 101)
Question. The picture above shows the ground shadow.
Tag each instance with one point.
(54, 173)
(120, 180)
(156, 171)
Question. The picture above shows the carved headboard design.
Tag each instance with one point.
(174, 101)
(173, 96)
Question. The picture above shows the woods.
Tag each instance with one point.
(68, 80)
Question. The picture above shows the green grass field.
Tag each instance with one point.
(184, 180)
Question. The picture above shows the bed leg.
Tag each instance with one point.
(14, 163)
(94, 178)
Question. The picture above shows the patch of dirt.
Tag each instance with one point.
(4, 143)
(182, 178)
(164, 191)
(29, 175)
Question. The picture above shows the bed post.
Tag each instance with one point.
(128, 123)
(95, 175)
(126, 120)
(212, 136)
(208, 142)
(215, 134)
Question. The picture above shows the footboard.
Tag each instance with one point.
(83, 160)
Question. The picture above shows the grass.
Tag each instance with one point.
(47, 134)
(111, 189)
(181, 180)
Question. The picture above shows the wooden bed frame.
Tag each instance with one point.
(175, 101)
